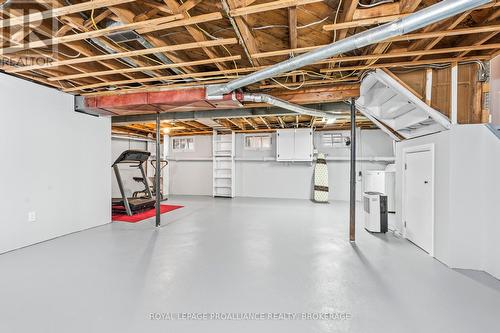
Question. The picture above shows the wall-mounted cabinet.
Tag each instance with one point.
(294, 145)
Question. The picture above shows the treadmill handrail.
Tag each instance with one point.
(132, 156)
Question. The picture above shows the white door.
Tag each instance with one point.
(286, 145)
(418, 198)
(303, 144)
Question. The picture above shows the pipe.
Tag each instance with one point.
(4, 5)
(412, 22)
(352, 197)
(268, 99)
(157, 173)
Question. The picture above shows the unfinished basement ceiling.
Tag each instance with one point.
(192, 42)
(259, 124)
(107, 47)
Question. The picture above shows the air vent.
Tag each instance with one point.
(123, 36)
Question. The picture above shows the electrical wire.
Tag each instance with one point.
(335, 21)
(215, 38)
(290, 88)
(375, 4)
(284, 26)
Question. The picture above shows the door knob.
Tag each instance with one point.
(426, 182)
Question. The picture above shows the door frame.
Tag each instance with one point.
(417, 149)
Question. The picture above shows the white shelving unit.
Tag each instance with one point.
(223, 164)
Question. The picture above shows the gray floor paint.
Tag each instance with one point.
(239, 256)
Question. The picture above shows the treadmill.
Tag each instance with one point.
(136, 159)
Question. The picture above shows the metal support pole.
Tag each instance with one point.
(157, 175)
(352, 203)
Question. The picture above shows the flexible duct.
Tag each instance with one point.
(412, 22)
(271, 100)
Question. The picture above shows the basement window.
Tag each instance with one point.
(258, 142)
(183, 144)
(335, 140)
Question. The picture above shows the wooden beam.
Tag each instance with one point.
(188, 5)
(250, 123)
(197, 35)
(415, 36)
(182, 23)
(126, 16)
(281, 122)
(251, 69)
(92, 34)
(444, 26)
(160, 78)
(292, 27)
(362, 23)
(408, 6)
(292, 31)
(264, 121)
(406, 64)
(78, 48)
(306, 83)
(348, 9)
(481, 41)
(404, 84)
(254, 9)
(169, 48)
(57, 12)
(145, 68)
(235, 123)
(377, 11)
(412, 53)
(249, 42)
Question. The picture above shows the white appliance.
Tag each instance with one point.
(375, 207)
(383, 181)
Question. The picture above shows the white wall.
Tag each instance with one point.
(55, 162)
(495, 90)
(467, 180)
(491, 181)
(191, 172)
(441, 143)
(256, 176)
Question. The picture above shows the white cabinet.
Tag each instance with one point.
(294, 144)
(285, 147)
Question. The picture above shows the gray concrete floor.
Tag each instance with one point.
(239, 256)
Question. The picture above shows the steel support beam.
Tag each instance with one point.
(157, 173)
(228, 113)
(352, 199)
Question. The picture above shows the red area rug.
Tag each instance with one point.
(144, 215)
